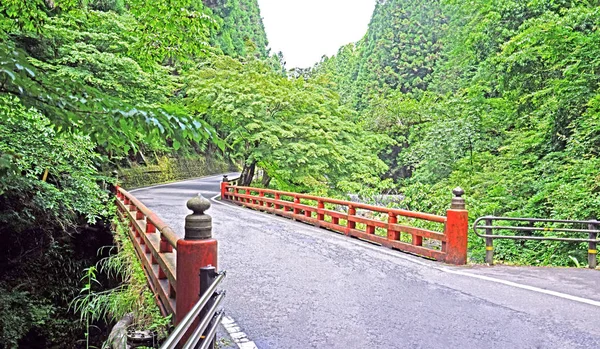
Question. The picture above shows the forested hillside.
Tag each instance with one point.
(239, 23)
(500, 97)
(88, 87)
(497, 96)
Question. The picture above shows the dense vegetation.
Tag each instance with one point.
(86, 87)
(497, 96)
(500, 97)
(90, 86)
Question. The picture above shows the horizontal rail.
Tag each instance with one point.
(161, 226)
(212, 331)
(157, 257)
(477, 227)
(395, 211)
(450, 245)
(197, 334)
(173, 339)
(592, 230)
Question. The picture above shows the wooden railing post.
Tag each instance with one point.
(198, 249)
(277, 198)
(296, 203)
(391, 233)
(350, 224)
(224, 185)
(456, 230)
(320, 215)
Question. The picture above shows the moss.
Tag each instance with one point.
(168, 169)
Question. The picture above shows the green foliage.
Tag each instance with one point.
(240, 24)
(85, 71)
(31, 146)
(294, 129)
(132, 296)
(510, 112)
(399, 52)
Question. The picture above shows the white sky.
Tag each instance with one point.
(305, 30)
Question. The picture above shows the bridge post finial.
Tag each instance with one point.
(198, 225)
(196, 250)
(458, 202)
(225, 179)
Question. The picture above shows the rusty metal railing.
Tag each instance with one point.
(592, 230)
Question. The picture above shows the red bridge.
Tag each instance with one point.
(293, 285)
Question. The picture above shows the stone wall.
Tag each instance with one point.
(168, 169)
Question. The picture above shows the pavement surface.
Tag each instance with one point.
(291, 285)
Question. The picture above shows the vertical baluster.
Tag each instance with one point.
(392, 234)
(320, 207)
(296, 202)
(277, 198)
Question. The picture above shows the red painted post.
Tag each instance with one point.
(456, 231)
(320, 206)
(296, 202)
(261, 195)
(224, 185)
(392, 234)
(350, 224)
(277, 198)
(198, 249)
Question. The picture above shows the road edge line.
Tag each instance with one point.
(522, 286)
(237, 335)
(460, 272)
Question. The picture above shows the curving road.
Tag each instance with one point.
(290, 285)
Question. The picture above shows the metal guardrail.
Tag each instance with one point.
(592, 230)
(205, 311)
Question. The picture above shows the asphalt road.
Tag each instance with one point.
(290, 285)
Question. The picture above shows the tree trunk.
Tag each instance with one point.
(266, 179)
(247, 174)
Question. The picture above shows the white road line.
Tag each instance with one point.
(235, 332)
(443, 269)
(525, 287)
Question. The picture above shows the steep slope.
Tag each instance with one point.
(398, 52)
(240, 22)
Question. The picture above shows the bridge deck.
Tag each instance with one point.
(291, 285)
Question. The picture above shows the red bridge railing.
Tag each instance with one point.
(372, 223)
(171, 263)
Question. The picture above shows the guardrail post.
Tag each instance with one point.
(208, 275)
(489, 244)
(593, 249)
(224, 184)
(456, 230)
(197, 250)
